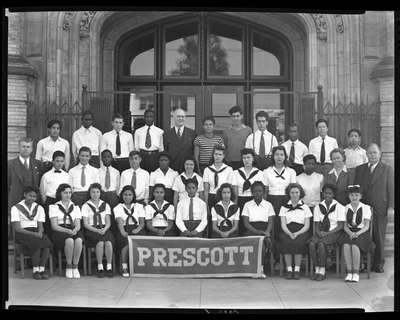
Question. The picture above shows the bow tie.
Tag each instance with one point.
(291, 208)
(280, 175)
(57, 171)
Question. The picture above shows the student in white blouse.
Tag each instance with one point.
(27, 218)
(136, 177)
(191, 213)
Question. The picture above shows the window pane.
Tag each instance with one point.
(182, 50)
(143, 64)
(266, 55)
(139, 56)
(225, 50)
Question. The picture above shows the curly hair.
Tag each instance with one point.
(218, 195)
(125, 188)
(60, 189)
(294, 185)
(329, 186)
(95, 185)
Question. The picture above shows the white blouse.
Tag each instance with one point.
(297, 215)
(334, 216)
(223, 177)
(276, 184)
(55, 212)
(260, 212)
(87, 212)
(238, 181)
(119, 212)
(158, 220)
(25, 222)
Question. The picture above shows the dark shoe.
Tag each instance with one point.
(379, 270)
(365, 270)
(332, 267)
(320, 277)
(100, 273)
(44, 276)
(296, 275)
(37, 276)
(110, 273)
(314, 276)
(289, 275)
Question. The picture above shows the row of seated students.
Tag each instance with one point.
(335, 224)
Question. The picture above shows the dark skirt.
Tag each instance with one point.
(191, 225)
(122, 242)
(112, 200)
(261, 225)
(224, 229)
(241, 202)
(93, 238)
(289, 246)
(277, 202)
(169, 233)
(29, 244)
(60, 237)
(328, 239)
(364, 241)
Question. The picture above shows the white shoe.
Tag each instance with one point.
(125, 273)
(355, 277)
(262, 276)
(75, 273)
(349, 277)
(68, 273)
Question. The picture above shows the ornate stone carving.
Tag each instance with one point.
(67, 19)
(321, 26)
(84, 26)
(339, 22)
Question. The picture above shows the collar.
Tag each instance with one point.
(326, 138)
(22, 203)
(137, 170)
(163, 203)
(177, 128)
(262, 203)
(300, 202)
(350, 148)
(373, 165)
(89, 129)
(290, 141)
(115, 132)
(243, 126)
(79, 165)
(348, 206)
(100, 202)
(230, 203)
(333, 202)
(23, 160)
(51, 139)
(334, 170)
(223, 166)
(69, 203)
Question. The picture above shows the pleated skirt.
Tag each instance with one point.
(364, 241)
(60, 237)
(29, 244)
(296, 246)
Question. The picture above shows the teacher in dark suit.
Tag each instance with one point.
(178, 141)
(377, 182)
(22, 171)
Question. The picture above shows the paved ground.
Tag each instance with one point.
(243, 295)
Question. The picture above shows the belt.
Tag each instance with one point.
(121, 159)
(149, 151)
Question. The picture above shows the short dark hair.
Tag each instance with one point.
(321, 120)
(134, 153)
(279, 148)
(95, 185)
(235, 109)
(209, 118)
(87, 112)
(125, 188)
(149, 110)
(117, 116)
(354, 130)
(329, 186)
(294, 185)
(31, 189)
(53, 122)
(106, 151)
(84, 148)
(159, 185)
(261, 114)
(294, 125)
(258, 183)
(58, 153)
(308, 157)
(218, 195)
(60, 189)
(338, 150)
(165, 154)
(245, 151)
(191, 180)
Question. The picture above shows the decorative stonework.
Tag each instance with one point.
(84, 26)
(321, 26)
(339, 23)
(67, 20)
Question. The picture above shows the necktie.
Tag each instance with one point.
(107, 182)
(246, 182)
(148, 139)
(27, 167)
(162, 211)
(371, 168)
(67, 214)
(323, 151)
(216, 175)
(57, 171)
(118, 146)
(130, 227)
(133, 181)
(262, 146)
(97, 222)
(291, 155)
(179, 136)
(83, 177)
(191, 210)
(325, 224)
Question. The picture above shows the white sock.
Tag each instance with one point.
(297, 268)
(290, 269)
(124, 266)
(109, 266)
(100, 266)
(35, 269)
(322, 270)
(317, 270)
(41, 269)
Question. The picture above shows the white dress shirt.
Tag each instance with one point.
(223, 177)
(253, 142)
(46, 147)
(312, 186)
(158, 220)
(355, 157)
(25, 222)
(276, 185)
(238, 181)
(335, 216)
(55, 212)
(300, 150)
(156, 135)
(89, 137)
(114, 178)
(314, 148)
(199, 213)
(260, 212)
(168, 179)
(50, 182)
(87, 212)
(108, 141)
(142, 183)
(180, 187)
(297, 215)
(75, 174)
(138, 212)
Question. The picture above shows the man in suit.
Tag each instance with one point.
(377, 181)
(178, 141)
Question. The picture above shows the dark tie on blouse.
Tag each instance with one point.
(291, 208)
(130, 227)
(25, 212)
(325, 224)
(216, 172)
(280, 175)
(162, 211)
(349, 217)
(97, 223)
(67, 214)
(322, 158)
(219, 209)
(247, 183)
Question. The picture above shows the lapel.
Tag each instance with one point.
(17, 166)
(376, 173)
(341, 175)
(185, 136)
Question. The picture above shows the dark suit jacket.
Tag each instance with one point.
(14, 176)
(177, 152)
(345, 179)
(380, 193)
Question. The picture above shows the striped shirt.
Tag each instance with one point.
(206, 146)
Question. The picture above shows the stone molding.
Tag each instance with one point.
(84, 24)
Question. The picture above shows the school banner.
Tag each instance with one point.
(181, 257)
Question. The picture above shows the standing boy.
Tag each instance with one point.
(296, 149)
(149, 141)
(191, 213)
(235, 137)
(119, 142)
(87, 136)
(82, 176)
(321, 148)
(46, 146)
(49, 184)
(355, 155)
(137, 177)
